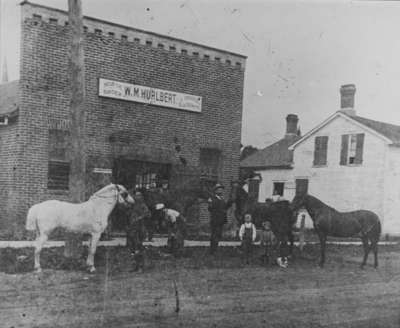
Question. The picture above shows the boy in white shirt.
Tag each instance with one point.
(247, 235)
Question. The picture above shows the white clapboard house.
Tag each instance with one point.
(351, 162)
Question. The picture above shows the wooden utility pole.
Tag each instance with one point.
(77, 116)
(1, 34)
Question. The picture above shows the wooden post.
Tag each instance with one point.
(77, 116)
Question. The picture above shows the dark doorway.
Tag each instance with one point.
(301, 186)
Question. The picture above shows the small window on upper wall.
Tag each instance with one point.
(352, 149)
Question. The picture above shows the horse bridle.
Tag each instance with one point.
(123, 194)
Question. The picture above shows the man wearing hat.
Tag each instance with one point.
(218, 207)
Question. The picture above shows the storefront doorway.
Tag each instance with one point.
(135, 174)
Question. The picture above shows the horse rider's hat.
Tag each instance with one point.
(218, 186)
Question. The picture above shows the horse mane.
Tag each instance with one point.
(319, 203)
(103, 190)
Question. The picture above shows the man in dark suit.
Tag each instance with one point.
(218, 208)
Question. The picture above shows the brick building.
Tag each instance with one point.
(156, 107)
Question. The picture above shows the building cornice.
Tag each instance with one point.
(130, 34)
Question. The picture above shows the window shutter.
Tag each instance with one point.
(324, 150)
(359, 148)
(317, 151)
(320, 150)
(343, 151)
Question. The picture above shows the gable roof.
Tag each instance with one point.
(389, 132)
(9, 99)
(274, 156)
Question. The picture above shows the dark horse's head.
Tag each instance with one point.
(298, 202)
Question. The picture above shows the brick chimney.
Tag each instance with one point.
(347, 93)
(291, 125)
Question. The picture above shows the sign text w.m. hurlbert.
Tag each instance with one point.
(148, 95)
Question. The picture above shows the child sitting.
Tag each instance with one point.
(247, 235)
(267, 241)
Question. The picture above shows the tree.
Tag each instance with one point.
(247, 151)
(77, 116)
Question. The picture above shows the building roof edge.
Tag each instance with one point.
(26, 2)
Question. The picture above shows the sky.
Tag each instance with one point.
(299, 52)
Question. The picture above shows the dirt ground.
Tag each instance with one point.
(219, 291)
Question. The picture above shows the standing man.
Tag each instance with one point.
(135, 234)
(218, 207)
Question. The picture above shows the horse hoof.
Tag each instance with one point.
(38, 270)
(92, 270)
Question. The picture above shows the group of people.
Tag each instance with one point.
(146, 216)
(154, 213)
(218, 208)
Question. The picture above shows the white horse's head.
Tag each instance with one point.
(115, 190)
(123, 195)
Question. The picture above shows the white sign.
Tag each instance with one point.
(147, 95)
(103, 171)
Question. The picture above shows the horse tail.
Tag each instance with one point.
(31, 219)
(379, 227)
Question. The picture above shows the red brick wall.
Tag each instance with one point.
(152, 130)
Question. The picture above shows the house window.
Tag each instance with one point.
(301, 186)
(320, 150)
(58, 165)
(352, 149)
(279, 188)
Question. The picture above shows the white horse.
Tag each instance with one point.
(88, 217)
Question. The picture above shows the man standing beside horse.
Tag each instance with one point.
(135, 234)
(218, 208)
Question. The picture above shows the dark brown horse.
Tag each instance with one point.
(329, 222)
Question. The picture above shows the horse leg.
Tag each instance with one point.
(92, 251)
(366, 250)
(322, 240)
(291, 239)
(374, 246)
(40, 240)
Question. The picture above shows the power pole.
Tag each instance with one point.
(1, 35)
(77, 116)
